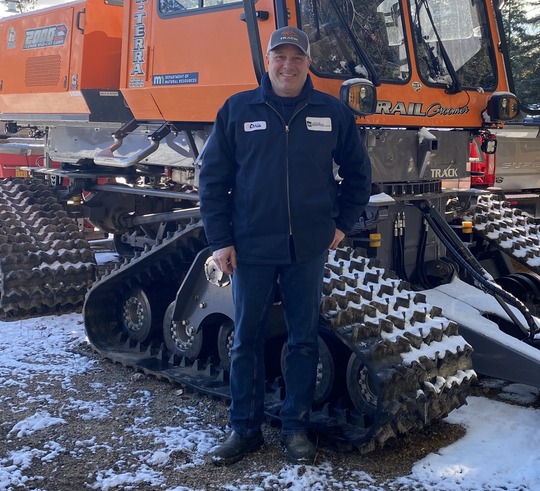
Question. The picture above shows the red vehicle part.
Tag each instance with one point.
(18, 154)
(482, 166)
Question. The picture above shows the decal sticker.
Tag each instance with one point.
(254, 126)
(12, 40)
(416, 86)
(139, 44)
(448, 173)
(176, 79)
(417, 109)
(319, 124)
(44, 37)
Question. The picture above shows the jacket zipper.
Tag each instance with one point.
(287, 125)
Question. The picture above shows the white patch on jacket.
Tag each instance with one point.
(254, 126)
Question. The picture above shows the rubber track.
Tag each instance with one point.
(423, 366)
(46, 266)
(508, 229)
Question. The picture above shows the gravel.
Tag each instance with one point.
(112, 428)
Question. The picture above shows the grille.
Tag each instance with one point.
(42, 70)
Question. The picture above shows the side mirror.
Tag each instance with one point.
(502, 106)
(360, 95)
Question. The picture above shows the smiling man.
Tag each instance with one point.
(288, 61)
(272, 209)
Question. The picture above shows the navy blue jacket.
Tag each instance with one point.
(263, 180)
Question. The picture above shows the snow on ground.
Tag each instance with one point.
(499, 452)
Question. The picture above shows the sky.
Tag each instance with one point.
(500, 450)
(40, 4)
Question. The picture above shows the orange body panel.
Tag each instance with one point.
(182, 67)
(211, 51)
(50, 56)
(416, 104)
(188, 64)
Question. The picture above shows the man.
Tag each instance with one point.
(271, 209)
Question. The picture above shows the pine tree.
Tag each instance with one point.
(521, 20)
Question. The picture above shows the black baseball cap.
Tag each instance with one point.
(289, 35)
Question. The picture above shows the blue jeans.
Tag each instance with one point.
(254, 287)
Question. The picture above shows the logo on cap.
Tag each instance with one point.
(289, 35)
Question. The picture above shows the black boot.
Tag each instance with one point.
(236, 447)
(299, 449)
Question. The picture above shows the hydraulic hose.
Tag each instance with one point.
(397, 253)
(465, 259)
(420, 255)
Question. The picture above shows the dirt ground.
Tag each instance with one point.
(135, 397)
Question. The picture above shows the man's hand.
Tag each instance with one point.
(338, 237)
(225, 259)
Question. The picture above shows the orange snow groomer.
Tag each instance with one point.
(63, 63)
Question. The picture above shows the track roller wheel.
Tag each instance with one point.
(531, 282)
(524, 286)
(533, 277)
(181, 340)
(325, 372)
(225, 340)
(363, 390)
(137, 315)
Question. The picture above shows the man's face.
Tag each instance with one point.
(288, 69)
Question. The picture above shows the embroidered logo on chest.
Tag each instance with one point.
(319, 124)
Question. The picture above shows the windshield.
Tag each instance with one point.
(360, 38)
(365, 38)
(453, 36)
